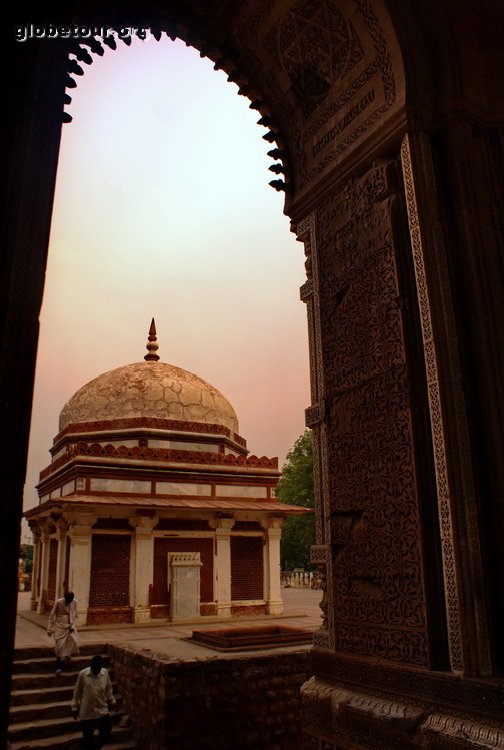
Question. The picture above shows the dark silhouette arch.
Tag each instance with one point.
(385, 123)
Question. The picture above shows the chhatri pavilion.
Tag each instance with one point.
(151, 506)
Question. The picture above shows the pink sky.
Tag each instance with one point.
(163, 209)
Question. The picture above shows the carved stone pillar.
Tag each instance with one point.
(44, 568)
(274, 602)
(223, 566)
(35, 583)
(61, 535)
(79, 531)
(315, 420)
(468, 635)
(380, 580)
(142, 565)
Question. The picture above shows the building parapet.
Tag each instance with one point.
(166, 455)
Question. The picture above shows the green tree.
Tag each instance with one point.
(296, 488)
(27, 553)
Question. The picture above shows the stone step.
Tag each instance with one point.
(32, 712)
(34, 681)
(40, 702)
(34, 652)
(39, 728)
(41, 694)
(45, 709)
(29, 681)
(48, 664)
(45, 686)
(27, 730)
(119, 740)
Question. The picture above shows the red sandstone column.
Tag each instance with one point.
(80, 561)
(143, 566)
(61, 535)
(44, 568)
(274, 603)
(223, 566)
(35, 592)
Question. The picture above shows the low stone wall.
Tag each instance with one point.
(247, 702)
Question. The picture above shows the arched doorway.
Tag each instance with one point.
(388, 151)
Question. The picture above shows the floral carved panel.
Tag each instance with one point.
(373, 519)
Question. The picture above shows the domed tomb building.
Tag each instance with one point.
(151, 506)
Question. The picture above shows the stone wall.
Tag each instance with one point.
(246, 702)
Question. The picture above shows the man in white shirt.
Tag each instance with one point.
(92, 699)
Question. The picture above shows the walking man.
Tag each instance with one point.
(62, 625)
(92, 699)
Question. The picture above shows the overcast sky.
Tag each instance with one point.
(163, 209)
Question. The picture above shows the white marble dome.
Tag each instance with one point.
(149, 389)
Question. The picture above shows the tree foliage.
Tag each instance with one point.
(296, 488)
(26, 553)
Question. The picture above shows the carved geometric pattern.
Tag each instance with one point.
(110, 556)
(315, 45)
(334, 711)
(247, 19)
(392, 679)
(440, 461)
(474, 734)
(360, 86)
(319, 554)
(52, 570)
(324, 637)
(246, 568)
(373, 520)
(317, 476)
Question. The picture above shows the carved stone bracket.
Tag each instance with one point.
(306, 290)
(458, 732)
(334, 713)
(314, 414)
(319, 554)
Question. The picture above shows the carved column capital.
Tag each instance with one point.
(273, 526)
(143, 525)
(61, 529)
(224, 526)
(35, 531)
(80, 518)
(45, 531)
(80, 526)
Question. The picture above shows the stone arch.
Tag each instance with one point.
(386, 124)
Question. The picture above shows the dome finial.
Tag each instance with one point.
(152, 345)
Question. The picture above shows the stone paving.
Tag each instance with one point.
(171, 640)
